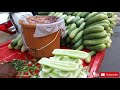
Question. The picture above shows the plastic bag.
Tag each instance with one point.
(46, 29)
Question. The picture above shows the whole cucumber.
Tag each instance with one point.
(68, 40)
(84, 14)
(64, 16)
(66, 34)
(56, 13)
(93, 29)
(74, 20)
(70, 13)
(96, 18)
(79, 22)
(97, 41)
(59, 15)
(75, 13)
(78, 37)
(82, 26)
(80, 47)
(97, 35)
(111, 26)
(79, 14)
(98, 47)
(72, 27)
(78, 43)
(51, 13)
(99, 23)
(74, 33)
(70, 19)
(90, 15)
(108, 45)
(108, 30)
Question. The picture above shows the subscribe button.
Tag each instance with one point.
(109, 74)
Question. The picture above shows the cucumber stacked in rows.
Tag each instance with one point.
(98, 31)
(87, 29)
(17, 44)
(75, 24)
(64, 64)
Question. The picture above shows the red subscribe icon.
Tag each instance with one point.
(109, 74)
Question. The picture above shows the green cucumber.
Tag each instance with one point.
(59, 15)
(46, 69)
(93, 29)
(68, 40)
(77, 72)
(108, 45)
(105, 13)
(99, 22)
(108, 30)
(111, 26)
(79, 22)
(14, 42)
(96, 18)
(67, 17)
(72, 27)
(10, 47)
(80, 47)
(74, 33)
(71, 53)
(110, 14)
(19, 36)
(96, 41)
(109, 34)
(61, 65)
(75, 13)
(95, 35)
(54, 74)
(110, 41)
(84, 14)
(98, 47)
(23, 49)
(105, 25)
(78, 37)
(75, 19)
(70, 19)
(79, 14)
(64, 16)
(63, 74)
(70, 13)
(82, 26)
(68, 27)
(17, 47)
(42, 74)
(111, 20)
(20, 43)
(66, 34)
(78, 43)
(56, 13)
(88, 59)
(91, 15)
(51, 13)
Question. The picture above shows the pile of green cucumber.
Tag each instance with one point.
(90, 30)
(17, 44)
(64, 64)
